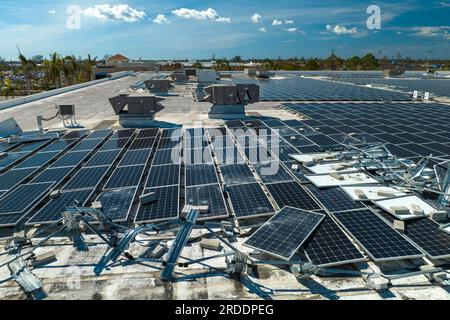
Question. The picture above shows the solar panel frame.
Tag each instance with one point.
(117, 204)
(87, 178)
(161, 176)
(13, 178)
(103, 158)
(233, 174)
(292, 194)
(38, 160)
(135, 157)
(64, 173)
(335, 199)
(249, 201)
(30, 194)
(208, 195)
(200, 174)
(120, 179)
(288, 229)
(168, 202)
(71, 159)
(145, 143)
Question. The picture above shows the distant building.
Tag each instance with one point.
(117, 59)
(118, 63)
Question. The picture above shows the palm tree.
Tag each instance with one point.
(53, 69)
(88, 65)
(28, 66)
(8, 88)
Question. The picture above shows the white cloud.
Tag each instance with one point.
(161, 19)
(432, 32)
(53, 11)
(119, 12)
(209, 14)
(289, 21)
(263, 30)
(339, 29)
(277, 22)
(291, 29)
(256, 18)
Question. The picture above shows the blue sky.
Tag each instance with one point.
(198, 29)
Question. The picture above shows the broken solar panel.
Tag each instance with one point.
(283, 235)
(53, 175)
(12, 178)
(22, 198)
(237, 174)
(209, 195)
(166, 206)
(125, 177)
(335, 199)
(249, 200)
(292, 194)
(87, 178)
(135, 157)
(380, 241)
(272, 171)
(103, 158)
(167, 175)
(116, 204)
(52, 211)
(200, 174)
(71, 159)
(330, 246)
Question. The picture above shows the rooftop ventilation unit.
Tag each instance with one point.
(158, 85)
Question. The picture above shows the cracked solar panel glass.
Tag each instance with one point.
(38, 160)
(167, 175)
(71, 159)
(12, 178)
(52, 211)
(428, 236)
(228, 156)
(135, 157)
(272, 171)
(147, 133)
(283, 235)
(115, 144)
(249, 200)
(75, 135)
(169, 144)
(330, 246)
(87, 178)
(117, 204)
(103, 158)
(146, 143)
(165, 207)
(237, 174)
(163, 157)
(201, 174)
(23, 198)
(59, 145)
(292, 194)
(378, 239)
(53, 175)
(198, 156)
(127, 133)
(334, 199)
(211, 196)
(11, 158)
(30, 146)
(87, 145)
(125, 177)
(99, 134)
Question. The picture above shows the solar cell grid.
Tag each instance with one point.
(237, 174)
(87, 145)
(147, 133)
(135, 157)
(115, 144)
(103, 158)
(53, 175)
(11, 158)
(75, 135)
(163, 157)
(228, 156)
(283, 235)
(200, 174)
(169, 144)
(145, 143)
(272, 171)
(30, 146)
(334, 199)
(71, 159)
(167, 175)
(166, 206)
(198, 156)
(127, 133)
(249, 200)
(23, 198)
(59, 145)
(117, 204)
(125, 177)
(87, 178)
(209, 195)
(292, 194)
(99, 134)
(38, 160)
(12, 178)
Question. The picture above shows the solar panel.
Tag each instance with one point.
(71, 159)
(249, 200)
(272, 171)
(127, 133)
(59, 145)
(237, 174)
(166, 207)
(146, 143)
(87, 145)
(167, 175)
(53, 175)
(197, 156)
(23, 198)
(379, 240)
(52, 211)
(30, 146)
(323, 140)
(329, 246)
(147, 133)
(87, 178)
(135, 157)
(228, 156)
(12, 178)
(335, 199)
(200, 174)
(117, 204)
(283, 235)
(99, 134)
(103, 158)
(38, 160)
(292, 194)
(428, 236)
(171, 133)
(75, 135)
(169, 144)
(163, 157)
(115, 144)
(209, 195)
(11, 158)
(125, 177)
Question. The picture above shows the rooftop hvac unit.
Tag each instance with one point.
(179, 76)
(208, 76)
(240, 94)
(158, 85)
